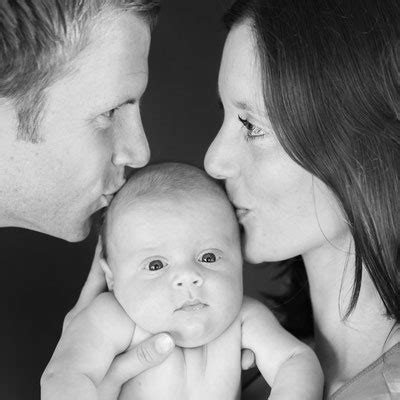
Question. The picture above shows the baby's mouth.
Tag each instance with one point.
(192, 305)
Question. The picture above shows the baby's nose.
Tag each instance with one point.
(188, 279)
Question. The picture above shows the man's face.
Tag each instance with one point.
(91, 129)
(177, 267)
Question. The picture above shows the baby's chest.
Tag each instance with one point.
(211, 372)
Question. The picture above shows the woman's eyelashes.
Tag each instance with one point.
(253, 131)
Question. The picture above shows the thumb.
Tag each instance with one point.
(126, 366)
(248, 359)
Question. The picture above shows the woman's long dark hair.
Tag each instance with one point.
(331, 79)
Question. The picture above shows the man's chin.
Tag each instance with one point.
(72, 232)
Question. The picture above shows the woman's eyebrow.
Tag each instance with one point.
(241, 105)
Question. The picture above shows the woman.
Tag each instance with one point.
(310, 154)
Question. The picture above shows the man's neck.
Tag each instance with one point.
(344, 346)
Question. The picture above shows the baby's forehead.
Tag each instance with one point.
(210, 212)
(169, 204)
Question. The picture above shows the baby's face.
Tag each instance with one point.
(177, 267)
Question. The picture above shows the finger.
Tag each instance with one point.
(126, 366)
(248, 359)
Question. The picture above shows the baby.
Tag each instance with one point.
(172, 260)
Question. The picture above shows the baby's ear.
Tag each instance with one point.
(108, 273)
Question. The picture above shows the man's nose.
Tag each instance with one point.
(187, 277)
(131, 147)
(222, 158)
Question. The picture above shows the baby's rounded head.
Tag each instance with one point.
(175, 184)
(172, 253)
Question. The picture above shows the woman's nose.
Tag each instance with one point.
(221, 160)
(188, 277)
(131, 148)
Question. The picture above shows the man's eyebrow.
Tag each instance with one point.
(130, 100)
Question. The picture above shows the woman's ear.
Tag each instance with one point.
(108, 273)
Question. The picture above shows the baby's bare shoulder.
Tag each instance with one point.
(255, 309)
(250, 305)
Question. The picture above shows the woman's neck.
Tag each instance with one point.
(344, 347)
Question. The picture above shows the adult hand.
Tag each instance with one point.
(124, 367)
(130, 364)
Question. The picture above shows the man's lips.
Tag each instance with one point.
(192, 305)
(105, 200)
(241, 213)
(107, 197)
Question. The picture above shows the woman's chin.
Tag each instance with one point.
(257, 254)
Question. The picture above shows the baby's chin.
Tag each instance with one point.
(194, 334)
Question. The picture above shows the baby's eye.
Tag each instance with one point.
(209, 257)
(156, 265)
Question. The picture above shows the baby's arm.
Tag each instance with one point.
(95, 337)
(289, 366)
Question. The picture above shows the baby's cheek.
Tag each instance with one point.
(229, 294)
(130, 296)
(146, 306)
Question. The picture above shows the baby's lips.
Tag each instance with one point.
(192, 305)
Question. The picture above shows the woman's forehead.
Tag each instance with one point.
(239, 79)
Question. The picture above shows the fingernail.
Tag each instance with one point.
(164, 344)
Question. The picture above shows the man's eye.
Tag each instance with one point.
(110, 114)
(155, 265)
(208, 258)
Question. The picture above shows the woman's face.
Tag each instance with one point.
(285, 211)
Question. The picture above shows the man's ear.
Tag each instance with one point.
(108, 273)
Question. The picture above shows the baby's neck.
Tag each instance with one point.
(345, 347)
(195, 361)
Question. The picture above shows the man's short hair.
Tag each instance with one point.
(38, 39)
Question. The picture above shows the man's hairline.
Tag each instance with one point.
(67, 70)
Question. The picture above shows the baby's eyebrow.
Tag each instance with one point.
(148, 250)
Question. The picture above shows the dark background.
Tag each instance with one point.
(41, 275)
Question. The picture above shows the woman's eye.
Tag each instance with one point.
(209, 258)
(253, 132)
(155, 265)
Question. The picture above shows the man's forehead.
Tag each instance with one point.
(111, 71)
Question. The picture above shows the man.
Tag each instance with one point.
(72, 74)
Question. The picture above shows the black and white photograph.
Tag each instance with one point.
(200, 200)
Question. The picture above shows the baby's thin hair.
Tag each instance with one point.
(164, 180)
